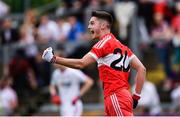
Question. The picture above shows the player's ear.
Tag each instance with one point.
(103, 25)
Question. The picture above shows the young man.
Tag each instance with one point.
(114, 63)
(68, 81)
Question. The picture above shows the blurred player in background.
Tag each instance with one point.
(150, 102)
(8, 97)
(114, 62)
(65, 89)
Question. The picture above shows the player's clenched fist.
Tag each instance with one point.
(48, 55)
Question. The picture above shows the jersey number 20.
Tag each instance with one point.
(122, 59)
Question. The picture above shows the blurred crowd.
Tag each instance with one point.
(158, 25)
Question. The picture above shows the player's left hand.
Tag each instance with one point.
(135, 100)
(75, 100)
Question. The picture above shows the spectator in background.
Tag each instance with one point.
(27, 41)
(108, 5)
(164, 7)
(162, 36)
(176, 38)
(93, 5)
(47, 30)
(4, 9)
(145, 11)
(77, 30)
(77, 9)
(149, 104)
(24, 81)
(27, 29)
(63, 29)
(8, 97)
(8, 34)
(68, 81)
(175, 97)
(61, 10)
(42, 71)
(27, 34)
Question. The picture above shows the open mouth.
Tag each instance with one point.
(91, 32)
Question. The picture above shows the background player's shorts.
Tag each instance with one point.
(119, 103)
(71, 110)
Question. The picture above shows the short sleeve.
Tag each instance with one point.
(54, 78)
(96, 53)
(99, 49)
(130, 54)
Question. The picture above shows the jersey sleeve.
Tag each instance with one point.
(130, 54)
(53, 78)
(99, 49)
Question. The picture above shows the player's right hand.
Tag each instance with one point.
(75, 100)
(48, 55)
(55, 99)
(135, 100)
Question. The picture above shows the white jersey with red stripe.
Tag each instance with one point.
(113, 60)
(68, 84)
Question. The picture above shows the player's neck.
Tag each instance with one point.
(104, 32)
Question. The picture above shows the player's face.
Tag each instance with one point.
(94, 28)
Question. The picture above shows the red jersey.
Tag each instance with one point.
(113, 63)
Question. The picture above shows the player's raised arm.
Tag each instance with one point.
(73, 63)
(139, 78)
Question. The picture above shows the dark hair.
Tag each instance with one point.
(103, 15)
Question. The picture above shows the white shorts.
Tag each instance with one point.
(67, 109)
